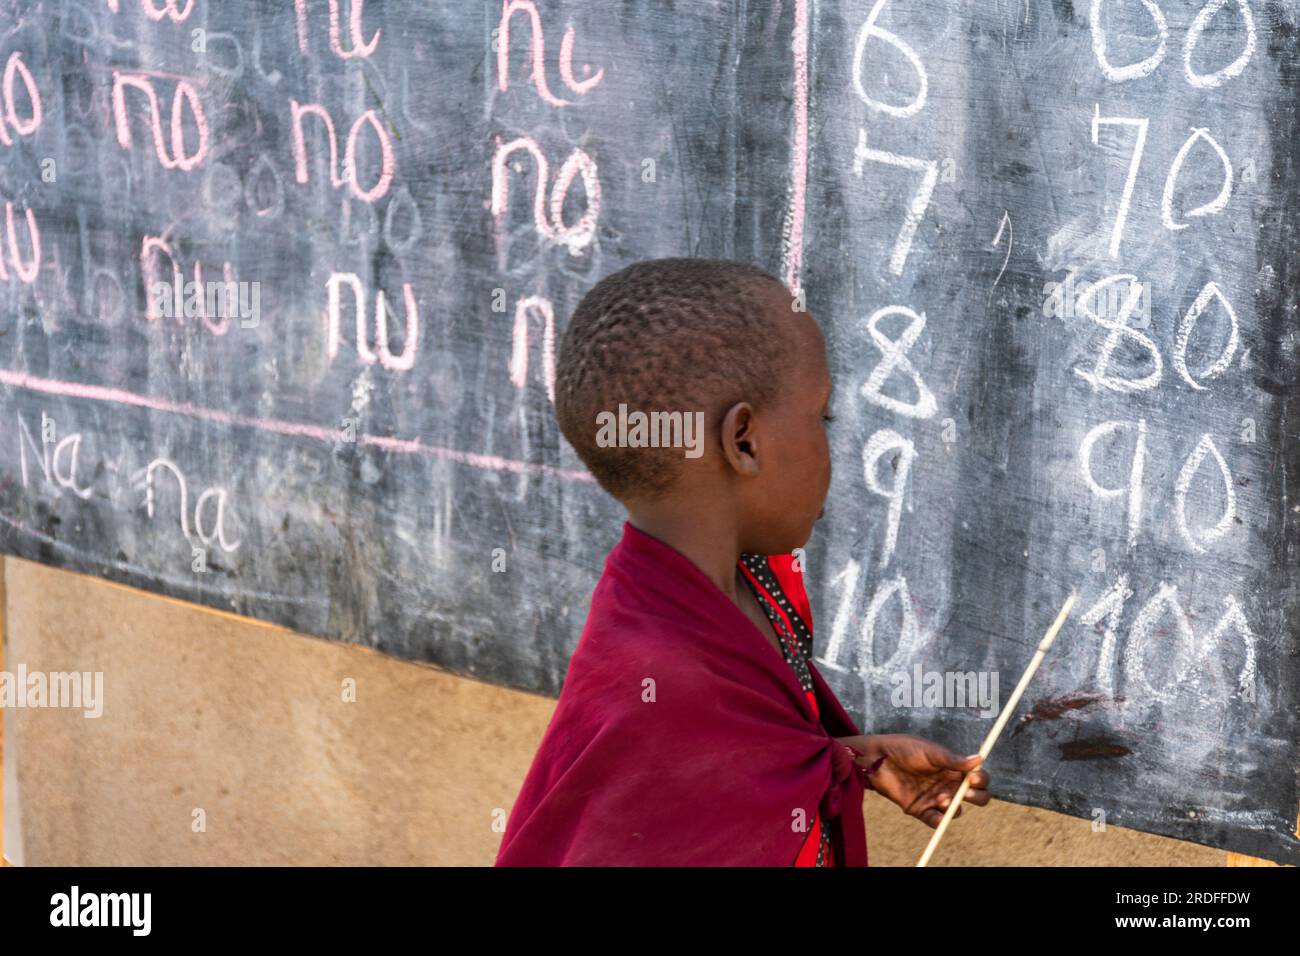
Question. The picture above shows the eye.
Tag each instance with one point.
(828, 418)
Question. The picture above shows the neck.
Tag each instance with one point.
(709, 541)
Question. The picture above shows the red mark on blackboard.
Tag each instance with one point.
(1093, 749)
(1054, 708)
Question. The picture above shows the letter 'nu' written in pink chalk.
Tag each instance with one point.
(151, 249)
(355, 31)
(333, 337)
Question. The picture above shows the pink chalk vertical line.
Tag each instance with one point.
(799, 152)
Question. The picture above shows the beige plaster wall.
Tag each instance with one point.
(243, 728)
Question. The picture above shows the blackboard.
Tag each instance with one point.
(1052, 246)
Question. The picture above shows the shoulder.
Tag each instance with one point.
(627, 655)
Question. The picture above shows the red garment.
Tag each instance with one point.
(778, 586)
(680, 739)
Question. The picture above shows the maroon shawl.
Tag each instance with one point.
(708, 773)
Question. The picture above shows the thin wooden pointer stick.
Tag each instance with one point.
(1003, 717)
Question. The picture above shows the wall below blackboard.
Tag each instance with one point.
(244, 720)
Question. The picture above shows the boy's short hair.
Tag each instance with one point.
(664, 335)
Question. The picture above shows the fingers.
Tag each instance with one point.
(944, 802)
(979, 798)
(934, 816)
(979, 780)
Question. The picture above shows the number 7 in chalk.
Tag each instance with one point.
(1141, 123)
(929, 169)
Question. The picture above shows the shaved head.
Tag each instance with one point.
(670, 335)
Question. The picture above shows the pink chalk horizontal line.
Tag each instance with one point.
(406, 446)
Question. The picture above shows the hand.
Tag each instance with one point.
(919, 775)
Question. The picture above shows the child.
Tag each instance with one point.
(693, 727)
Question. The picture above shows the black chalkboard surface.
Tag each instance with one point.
(280, 285)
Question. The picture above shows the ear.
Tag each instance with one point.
(738, 436)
